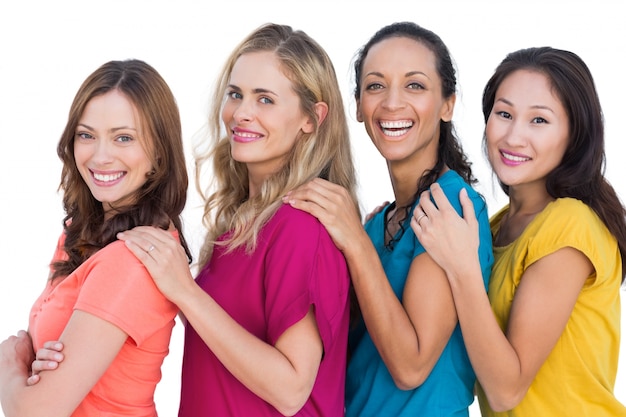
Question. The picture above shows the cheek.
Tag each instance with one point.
(142, 161)
(365, 108)
(494, 131)
(490, 143)
(227, 113)
(80, 155)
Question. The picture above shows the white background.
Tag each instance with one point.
(47, 48)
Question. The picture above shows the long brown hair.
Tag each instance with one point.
(160, 200)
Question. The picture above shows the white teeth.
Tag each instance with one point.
(247, 135)
(107, 177)
(402, 125)
(399, 124)
(514, 158)
(395, 133)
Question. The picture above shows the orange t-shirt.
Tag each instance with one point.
(114, 286)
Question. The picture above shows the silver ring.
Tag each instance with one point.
(420, 217)
(151, 248)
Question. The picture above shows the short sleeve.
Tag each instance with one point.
(118, 288)
(304, 268)
(571, 223)
(452, 184)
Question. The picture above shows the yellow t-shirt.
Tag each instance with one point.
(578, 377)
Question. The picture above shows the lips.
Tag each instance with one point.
(245, 136)
(513, 159)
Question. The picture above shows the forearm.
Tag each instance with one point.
(261, 367)
(12, 383)
(494, 360)
(386, 319)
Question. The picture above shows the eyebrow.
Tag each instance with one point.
(114, 129)
(408, 74)
(536, 106)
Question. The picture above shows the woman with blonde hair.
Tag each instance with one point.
(267, 316)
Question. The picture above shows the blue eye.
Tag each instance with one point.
(266, 100)
(84, 136)
(124, 139)
(234, 95)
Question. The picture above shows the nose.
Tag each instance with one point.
(516, 135)
(103, 152)
(243, 111)
(394, 99)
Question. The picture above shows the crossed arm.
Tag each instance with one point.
(90, 345)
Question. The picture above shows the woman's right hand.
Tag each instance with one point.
(46, 359)
(164, 258)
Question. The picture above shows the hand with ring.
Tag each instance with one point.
(420, 217)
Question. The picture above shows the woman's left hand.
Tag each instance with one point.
(163, 256)
(46, 359)
(332, 205)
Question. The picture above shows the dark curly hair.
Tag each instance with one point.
(449, 152)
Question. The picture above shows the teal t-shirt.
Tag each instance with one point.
(449, 389)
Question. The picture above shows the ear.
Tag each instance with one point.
(359, 115)
(321, 111)
(447, 110)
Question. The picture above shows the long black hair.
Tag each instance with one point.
(580, 174)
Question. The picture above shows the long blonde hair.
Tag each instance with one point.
(323, 153)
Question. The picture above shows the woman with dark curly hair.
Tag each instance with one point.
(407, 352)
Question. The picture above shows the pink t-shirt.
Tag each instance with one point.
(114, 286)
(295, 265)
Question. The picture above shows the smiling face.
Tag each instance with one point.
(109, 149)
(527, 131)
(263, 115)
(401, 101)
